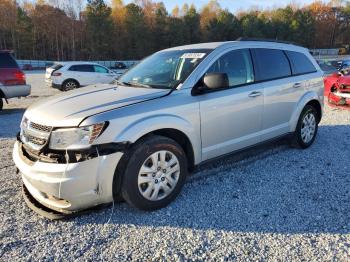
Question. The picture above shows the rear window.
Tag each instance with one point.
(56, 66)
(300, 63)
(82, 68)
(7, 61)
(270, 64)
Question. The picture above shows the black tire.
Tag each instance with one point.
(297, 139)
(1, 104)
(70, 85)
(138, 154)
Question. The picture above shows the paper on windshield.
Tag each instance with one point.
(193, 55)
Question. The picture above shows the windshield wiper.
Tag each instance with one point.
(136, 84)
(118, 82)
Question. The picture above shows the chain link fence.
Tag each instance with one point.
(43, 64)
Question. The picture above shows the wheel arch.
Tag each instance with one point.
(2, 94)
(179, 137)
(171, 126)
(316, 104)
(310, 98)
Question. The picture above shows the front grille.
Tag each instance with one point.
(42, 128)
(34, 135)
(35, 140)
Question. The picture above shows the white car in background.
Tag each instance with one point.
(71, 75)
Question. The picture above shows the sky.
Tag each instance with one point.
(233, 5)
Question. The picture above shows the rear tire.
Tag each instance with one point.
(1, 104)
(70, 85)
(155, 173)
(307, 127)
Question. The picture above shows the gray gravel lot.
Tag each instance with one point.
(270, 203)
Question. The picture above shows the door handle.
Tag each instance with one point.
(297, 85)
(255, 94)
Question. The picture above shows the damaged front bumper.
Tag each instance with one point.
(68, 187)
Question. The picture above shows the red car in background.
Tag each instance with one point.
(337, 88)
(12, 79)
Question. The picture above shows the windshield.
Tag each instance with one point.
(165, 70)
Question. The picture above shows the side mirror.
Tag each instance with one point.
(216, 81)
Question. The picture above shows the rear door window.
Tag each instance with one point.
(270, 64)
(82, 68)
(300, 63)
(7, 61)
(237, 65)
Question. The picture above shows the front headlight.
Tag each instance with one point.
(75, 138)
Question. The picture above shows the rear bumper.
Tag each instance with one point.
(50, 83)
(15, 91)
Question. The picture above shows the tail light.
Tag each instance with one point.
(20, 77)
(13, 77)
(56, 74)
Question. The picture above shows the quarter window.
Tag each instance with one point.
(271, 64)
(237, 65)
(300, 63)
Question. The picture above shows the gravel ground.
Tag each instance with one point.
(271, 203)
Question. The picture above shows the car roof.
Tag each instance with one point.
(69, 63)
(242, 44)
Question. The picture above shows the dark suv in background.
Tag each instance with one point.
(12, 79)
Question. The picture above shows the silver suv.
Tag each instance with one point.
(136, 139)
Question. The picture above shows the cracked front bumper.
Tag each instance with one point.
(68, 187)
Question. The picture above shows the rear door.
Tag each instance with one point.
(83, 73)
(274, 73)
(231, 118)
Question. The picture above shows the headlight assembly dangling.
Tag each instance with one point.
(75, 138)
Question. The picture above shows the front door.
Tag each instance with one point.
(231, 119)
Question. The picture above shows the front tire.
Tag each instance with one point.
(307, 127)
(155, 173)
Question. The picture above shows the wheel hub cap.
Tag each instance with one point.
(308, 128)
(158, 175)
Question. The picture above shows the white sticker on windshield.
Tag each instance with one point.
(193, 55)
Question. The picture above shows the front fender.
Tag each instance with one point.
(142, 127)
(309, 96)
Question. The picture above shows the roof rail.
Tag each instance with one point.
(266, 40)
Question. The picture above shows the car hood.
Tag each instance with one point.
(70, 108)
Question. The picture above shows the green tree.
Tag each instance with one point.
(136, 32)
(192, 26)
(99, 29)
(24, 31)
(225, 26)
(253, 25)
